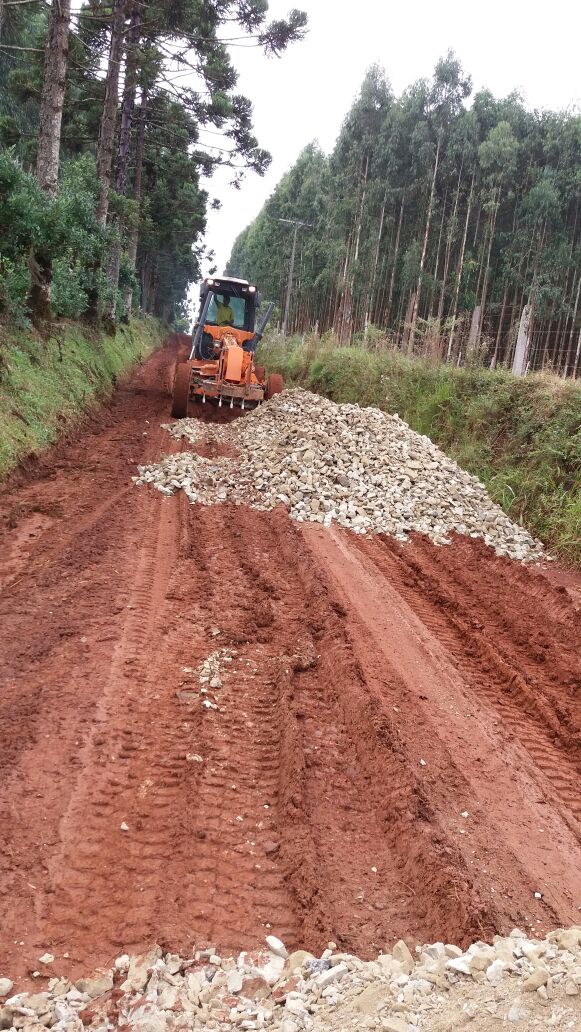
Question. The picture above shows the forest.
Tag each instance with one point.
(442, 224)
(112, 112)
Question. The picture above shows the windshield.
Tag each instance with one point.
(227, 311)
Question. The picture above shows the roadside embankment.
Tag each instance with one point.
(520, 437)
(46, 385)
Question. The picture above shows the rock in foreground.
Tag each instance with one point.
(516, 981)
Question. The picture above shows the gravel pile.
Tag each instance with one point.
(358, 467)
(525, 983)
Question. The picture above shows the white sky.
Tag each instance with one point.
(529, 45)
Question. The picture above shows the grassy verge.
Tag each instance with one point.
(46, 385)
(520, 436)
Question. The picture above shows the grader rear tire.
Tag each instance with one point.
(274, 386)
(181, 390)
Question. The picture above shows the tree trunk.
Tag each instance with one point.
(127, 110)
(408, 322)
(474, 332)
(49, 139)
(494, 358)
(371, 291)
(577, 354)
(109, 115)
(414, 316)
(485, 284)
(459, 271)
(523, 341)
(448, 253)
(572, 331)
(437, 258)
(53, 96)
(395, 255)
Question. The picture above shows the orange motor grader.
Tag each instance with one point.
(220, 367)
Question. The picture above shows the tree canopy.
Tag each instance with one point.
(437, 217)
(148, 106)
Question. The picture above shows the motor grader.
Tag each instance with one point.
(220, 368)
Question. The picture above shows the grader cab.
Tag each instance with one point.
(220, 368)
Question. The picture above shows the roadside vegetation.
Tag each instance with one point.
(45, 386)
(520, 436)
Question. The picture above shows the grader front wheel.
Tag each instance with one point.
(181, 390)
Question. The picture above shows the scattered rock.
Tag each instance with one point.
(298, 959)
(517, 1013)
(440, 987)
(6, 1015)
(289, 1026)
(235, 981)
(276, 946)
(401, 953)
(394, 1025)
(139, 969)
(495, 971)
(5, 986)
(99, 984)
(539, 977)
(372, 999)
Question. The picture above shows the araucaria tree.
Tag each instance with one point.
(49, 141)
(128, 92)
(437, 219)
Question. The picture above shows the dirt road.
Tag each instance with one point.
(396, 751)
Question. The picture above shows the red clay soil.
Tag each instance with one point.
(377, 694)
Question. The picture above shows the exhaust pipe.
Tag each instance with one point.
(261, 328)
(199, 327)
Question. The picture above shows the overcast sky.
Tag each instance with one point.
(304, 95)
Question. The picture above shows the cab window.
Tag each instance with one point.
(216, 312)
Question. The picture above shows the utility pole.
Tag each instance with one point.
(297, 224)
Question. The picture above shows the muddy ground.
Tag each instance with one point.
(396, 752)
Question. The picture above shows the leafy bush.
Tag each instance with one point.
(65, 228)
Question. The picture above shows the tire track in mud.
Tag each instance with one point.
(512, 842)
(99, 870)
(240, 892)
(523, 688)
(63, 611)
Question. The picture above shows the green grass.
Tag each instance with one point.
(46, 385)
(520, 436)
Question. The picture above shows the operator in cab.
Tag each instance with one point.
(224, 313)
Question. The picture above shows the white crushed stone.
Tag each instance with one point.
(358, 467)
(537, 985)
